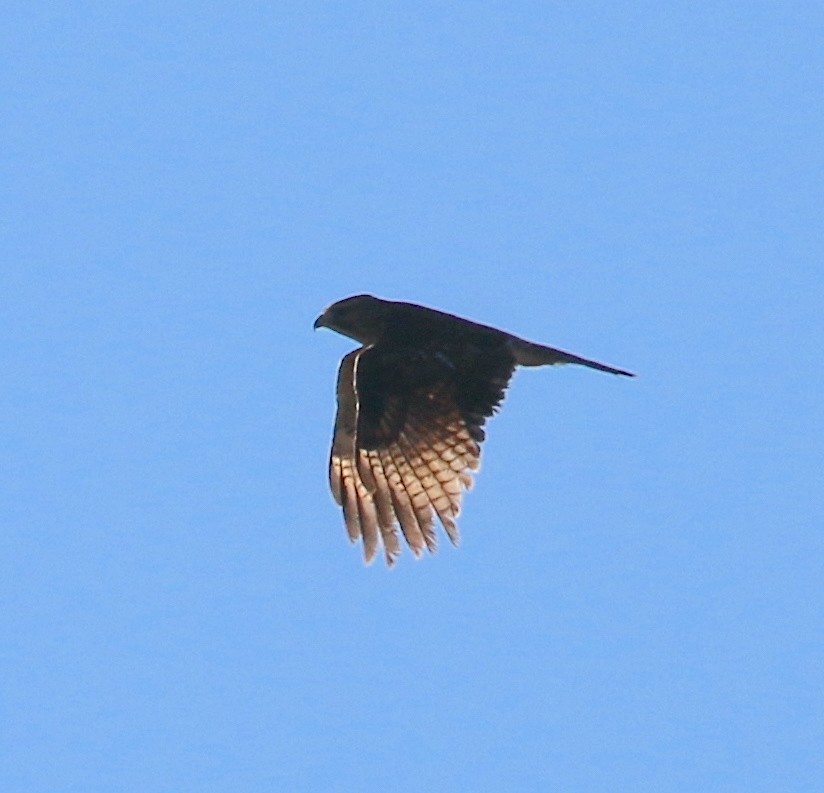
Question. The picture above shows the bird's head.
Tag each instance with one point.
(360, 317)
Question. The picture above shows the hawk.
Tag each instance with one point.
(412, 403)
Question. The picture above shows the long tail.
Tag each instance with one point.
(527, 353)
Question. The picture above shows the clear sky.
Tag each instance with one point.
(638, 602)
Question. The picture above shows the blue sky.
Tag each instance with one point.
(637, 603)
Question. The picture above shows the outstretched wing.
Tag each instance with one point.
(407, 438)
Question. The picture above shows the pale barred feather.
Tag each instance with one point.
(368, 518)
(335, 478)
(449, 448)
(394, 507)
(412, 486)
(355, 493)
(441, 484)
(393, 504)
(423, 472)
(449, 443)
(431, 487)
(348, 498)
(359, 511)
(391, 545)
(375, 479)
(365, 471)
(377, 494)
(404, 506)
(440, 455)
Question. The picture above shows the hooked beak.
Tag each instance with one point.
(319, 322)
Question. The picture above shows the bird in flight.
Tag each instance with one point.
(412, 402)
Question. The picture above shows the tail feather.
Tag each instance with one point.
(527, 353)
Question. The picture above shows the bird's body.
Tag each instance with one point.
(412, 402)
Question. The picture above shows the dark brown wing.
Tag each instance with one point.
(407, 437)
